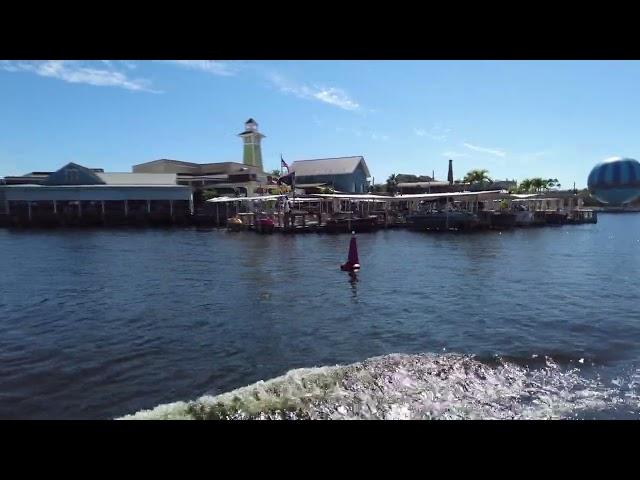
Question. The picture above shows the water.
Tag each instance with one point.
(188, 323)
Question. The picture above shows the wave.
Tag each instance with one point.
(426, 386)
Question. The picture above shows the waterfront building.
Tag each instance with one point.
(494, 185)
(345, 174)
(244, 178)
(75, 194)
(433, 186)
(228, 177)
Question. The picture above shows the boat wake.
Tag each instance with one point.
(427, 386)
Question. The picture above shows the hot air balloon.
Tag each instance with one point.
(616, 180)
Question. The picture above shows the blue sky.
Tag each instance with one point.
(517, 119)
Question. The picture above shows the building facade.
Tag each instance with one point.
(345, 174)
(76, 195)
(252, 150)
(244, 178)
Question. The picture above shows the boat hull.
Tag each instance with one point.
(442, 221)
(354, 225)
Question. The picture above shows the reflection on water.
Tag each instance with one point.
(353, 280)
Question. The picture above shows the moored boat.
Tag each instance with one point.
(443, 220)
(503, 219)
(336, 225)
(265, 225)
(524, 218)
(234, 224)
(583, 216)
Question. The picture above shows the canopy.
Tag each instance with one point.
(355, 196)
(435, 196)
(244, 199)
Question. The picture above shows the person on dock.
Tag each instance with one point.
(287, 212)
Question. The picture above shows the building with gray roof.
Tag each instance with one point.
(74, 192)
(344, 174)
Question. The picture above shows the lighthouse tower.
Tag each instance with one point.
(251, 138)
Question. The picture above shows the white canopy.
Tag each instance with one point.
(355, 196)
(244, 199)
(435, 196)
(524, 196)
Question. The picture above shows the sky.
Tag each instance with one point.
(517, 119)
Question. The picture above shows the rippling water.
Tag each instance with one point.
(539, 323)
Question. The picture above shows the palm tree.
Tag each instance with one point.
(392, 183)
(477, 176)
(538, 184)
(552, 182)
(524, 186)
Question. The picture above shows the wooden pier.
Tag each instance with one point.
(336, 213)
(344, 213)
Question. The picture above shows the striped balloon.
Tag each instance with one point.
(616, 180)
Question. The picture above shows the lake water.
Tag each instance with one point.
(528, 323)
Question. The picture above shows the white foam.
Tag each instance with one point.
(447, 386)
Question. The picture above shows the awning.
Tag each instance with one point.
(355, 196)
(436, 196)
(310, 185)
(244, 199)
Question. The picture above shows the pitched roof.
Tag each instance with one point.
(84, 176)
(435, 183)
(329, 166)
(138, 178)
(190, 164)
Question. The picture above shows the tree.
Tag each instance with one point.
(538, 184)
(524, 186)
(275, 173)
(552, 182)
(477, 176)
(392, 183)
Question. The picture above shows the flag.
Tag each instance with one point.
(283, 164)
(289, 179)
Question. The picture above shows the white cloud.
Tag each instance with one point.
(492, 151)
(536, 154)
(375, 136)
(78, 72)
(335, 96)
(330, 95)
(435, 133)
(8, 66)
(363, 133)
(452, 154)
(214, 67)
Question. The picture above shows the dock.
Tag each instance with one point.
(343, 213)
